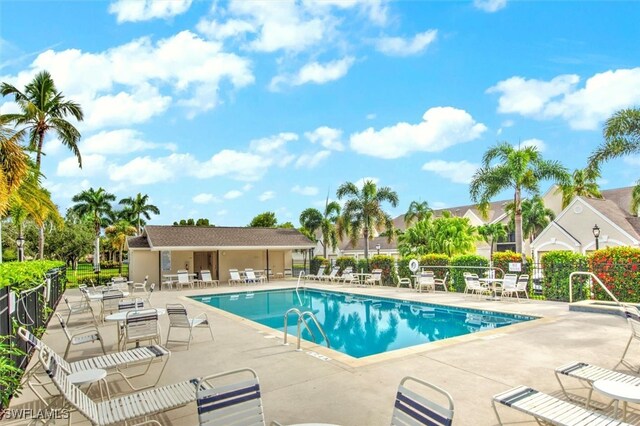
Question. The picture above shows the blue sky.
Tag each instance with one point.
(226, 109)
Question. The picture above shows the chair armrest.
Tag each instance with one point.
(202, 315)
(274, 423)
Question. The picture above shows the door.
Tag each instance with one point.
(201, 261)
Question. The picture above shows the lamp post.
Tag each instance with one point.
(596, 234)
(20, 244)
(378, 248)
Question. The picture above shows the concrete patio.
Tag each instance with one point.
(298, 387)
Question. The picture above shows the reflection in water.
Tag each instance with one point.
(357, 325)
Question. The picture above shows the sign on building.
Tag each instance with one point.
(165, 260)
(515, 267)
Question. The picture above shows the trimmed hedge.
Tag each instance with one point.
(24, 275)
(457, 279)
(557, 266)
(436, 260)
(362, 265)
(315, 264)
(502, 259)
(619, 270)
(387, 265)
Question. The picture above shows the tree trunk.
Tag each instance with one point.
(517, 201)
(139, 224)
(324, 248)
(39, 149)
(41, 242)
(366, 243)
(96, 254)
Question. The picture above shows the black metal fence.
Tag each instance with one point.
(85, 272)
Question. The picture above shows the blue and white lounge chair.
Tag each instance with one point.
(413, 409)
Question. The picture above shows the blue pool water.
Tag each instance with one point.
(359, 325)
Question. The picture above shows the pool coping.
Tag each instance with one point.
(315, 349)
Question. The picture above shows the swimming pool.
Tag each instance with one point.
(359, 325)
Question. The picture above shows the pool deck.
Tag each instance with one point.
(302, 387)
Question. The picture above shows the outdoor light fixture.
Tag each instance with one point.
(596, 234)
(20, 244)
(378, 248)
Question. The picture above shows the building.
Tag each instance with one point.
(163, 250)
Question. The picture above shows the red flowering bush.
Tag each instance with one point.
(619, 270)
(386, 263)
(501, 259)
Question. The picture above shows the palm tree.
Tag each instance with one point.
(43, 108)
(41, 214)
(622, 137)
(310, 219)
(418, 211)
(582, 183)
(95, 204)
(138, 207)
(363, 211)
(452, 235)
(520, 169)
(118, 232)
(415, 239)
(535, 216)
(491, 233)
(14, 164)
(329, 225)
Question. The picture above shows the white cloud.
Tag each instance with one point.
(327, 137)
(91, 165)
(490, 5)
(247, 187)
(535, 143)
(305, 190)
(583, 108)
(234, 193)
(145, 10)
(633, 160)
(220, 31)
(235, 164)
(398, 46)
(9, 107)
(52, 146)
(147, 170)
(371, 116)
(204, 198)
(127, 84)
(122, 141)
(315, 72)
(311, 161)
(441, 128)
(222, 213)
(267, 195)
(455, 171)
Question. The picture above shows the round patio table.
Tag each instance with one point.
(493, 282)
(618, 391)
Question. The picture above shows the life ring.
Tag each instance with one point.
(414, 265)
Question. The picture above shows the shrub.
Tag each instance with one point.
(362, 265)
(501, 259)
(387, 265)
(315, 264)
(436, 260)
(10, 374)
(345, 261)
(403, 268)
(557, 266)
(457, 279)
(619, 270)
(24, 275)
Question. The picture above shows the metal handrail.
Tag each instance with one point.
(304, 283)
(591, 275)
(462, 267)
(301, 316)
(315, 320)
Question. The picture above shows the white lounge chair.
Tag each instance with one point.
(252, 278)
(549, 409)
(120, 409)
(85, 334)
(205, 279)
(375, 278)
(633, 319)
(114, 363)
(183, 279)
(318, 276)
(178, 318)
(234, 277)
(473, 285)
(332, 274)
(414, 409)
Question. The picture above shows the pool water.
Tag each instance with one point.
(360, 325)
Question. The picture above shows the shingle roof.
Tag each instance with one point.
(616, 214)
(158, 237)
(138, 242)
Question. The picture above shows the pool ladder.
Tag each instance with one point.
(301, 320)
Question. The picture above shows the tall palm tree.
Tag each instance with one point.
(43, 108)
(452, 235)
(492, 233)
(118, 232)
(14, 164)
(535, 216)
(582, 183)
(415, 240)
(140, 207)
(520, 169)
(310, 219)
(41, 214)
(363, 213)
(329, 225)
(622, 137)
(417, 211)
(95, 204)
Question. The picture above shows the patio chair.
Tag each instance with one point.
(119, 283)
(140, 326)
(114, 363)
(426, 279)
(80, 307)
(252, 278)
(549, 409)
(441, 282)
(147, 296)
(183, 279)
(287, 273)
(237, 403)
(332, 274)
(588, 373)
(509, 285)
(318, 275)
(140, 286)
(403, 281)
(234, 277)
(375, 278)
(414, 409)
(80, 335)
(205, 279)
(178, 318)
(633, 319)
(120, 409)
(521, 286)
(110, 300)
(473, 286)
